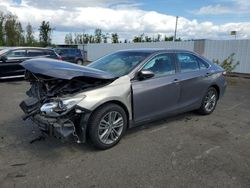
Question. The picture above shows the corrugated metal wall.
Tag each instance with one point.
(220, 49)
(212, 49)
(94, 51)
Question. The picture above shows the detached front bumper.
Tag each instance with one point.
(64, 129)
(68, 127)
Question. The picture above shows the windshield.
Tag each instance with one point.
(119, 63)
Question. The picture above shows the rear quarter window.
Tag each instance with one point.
(203, 64)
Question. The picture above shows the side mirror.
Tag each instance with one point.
(3, 58)
(144, 74)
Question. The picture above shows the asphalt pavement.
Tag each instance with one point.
(188, 150)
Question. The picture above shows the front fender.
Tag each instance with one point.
(118, 90)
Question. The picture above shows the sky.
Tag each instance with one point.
(198, 19)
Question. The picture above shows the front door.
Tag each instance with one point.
(159, 95)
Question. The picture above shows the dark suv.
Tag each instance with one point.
(11, 58)
(73, 55)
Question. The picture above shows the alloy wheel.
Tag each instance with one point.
(210, 100)
(110, 127)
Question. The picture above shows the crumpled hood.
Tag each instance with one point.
(62, 69)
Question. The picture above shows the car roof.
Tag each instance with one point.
(155, 50)
(26, 47)
(65, 48)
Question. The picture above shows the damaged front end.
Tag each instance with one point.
(52, 101)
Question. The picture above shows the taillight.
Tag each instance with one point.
(59, 58)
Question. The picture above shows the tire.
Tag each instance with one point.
(209, 102)
(104, 133)
(79, 62)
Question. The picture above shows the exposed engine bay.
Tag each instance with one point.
(50, 106)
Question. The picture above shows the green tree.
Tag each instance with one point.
(78, 38)
(68, 39)
(2, 19)
(139, 38)
(148, 39)
(105, 37)
(20, 34)
(114, 38)
(13, 31)
(228, 64)
(171, 38)
(98, 35)
(158, 38)
(30, 39)
(45, 33)
(85, 38)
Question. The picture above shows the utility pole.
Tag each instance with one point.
(175, 31)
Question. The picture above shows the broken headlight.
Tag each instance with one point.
(60, 105)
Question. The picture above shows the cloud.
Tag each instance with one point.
(126, 21)
(213, 10)
(243, 5)
(236, 7)
(72, 4)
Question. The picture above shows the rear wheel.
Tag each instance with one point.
(209, 101)
(107, 126)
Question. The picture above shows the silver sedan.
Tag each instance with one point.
(118, 91)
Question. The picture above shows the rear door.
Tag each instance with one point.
(159, 95)
(12, 67)
(72, 55)
(194, 80)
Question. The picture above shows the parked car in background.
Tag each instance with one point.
(72, 55)
(11, 58)
(118, 91)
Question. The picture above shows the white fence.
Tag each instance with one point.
(94, 51)
(212, 49)
(222, 49)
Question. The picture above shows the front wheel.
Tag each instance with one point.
(107, 126)
(209, 102)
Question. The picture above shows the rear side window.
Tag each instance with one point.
(74, 51)
(188, 62)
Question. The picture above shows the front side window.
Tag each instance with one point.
(161, 65)
(17, 53)
(188, 62)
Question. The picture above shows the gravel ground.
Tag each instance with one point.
(187, 150)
